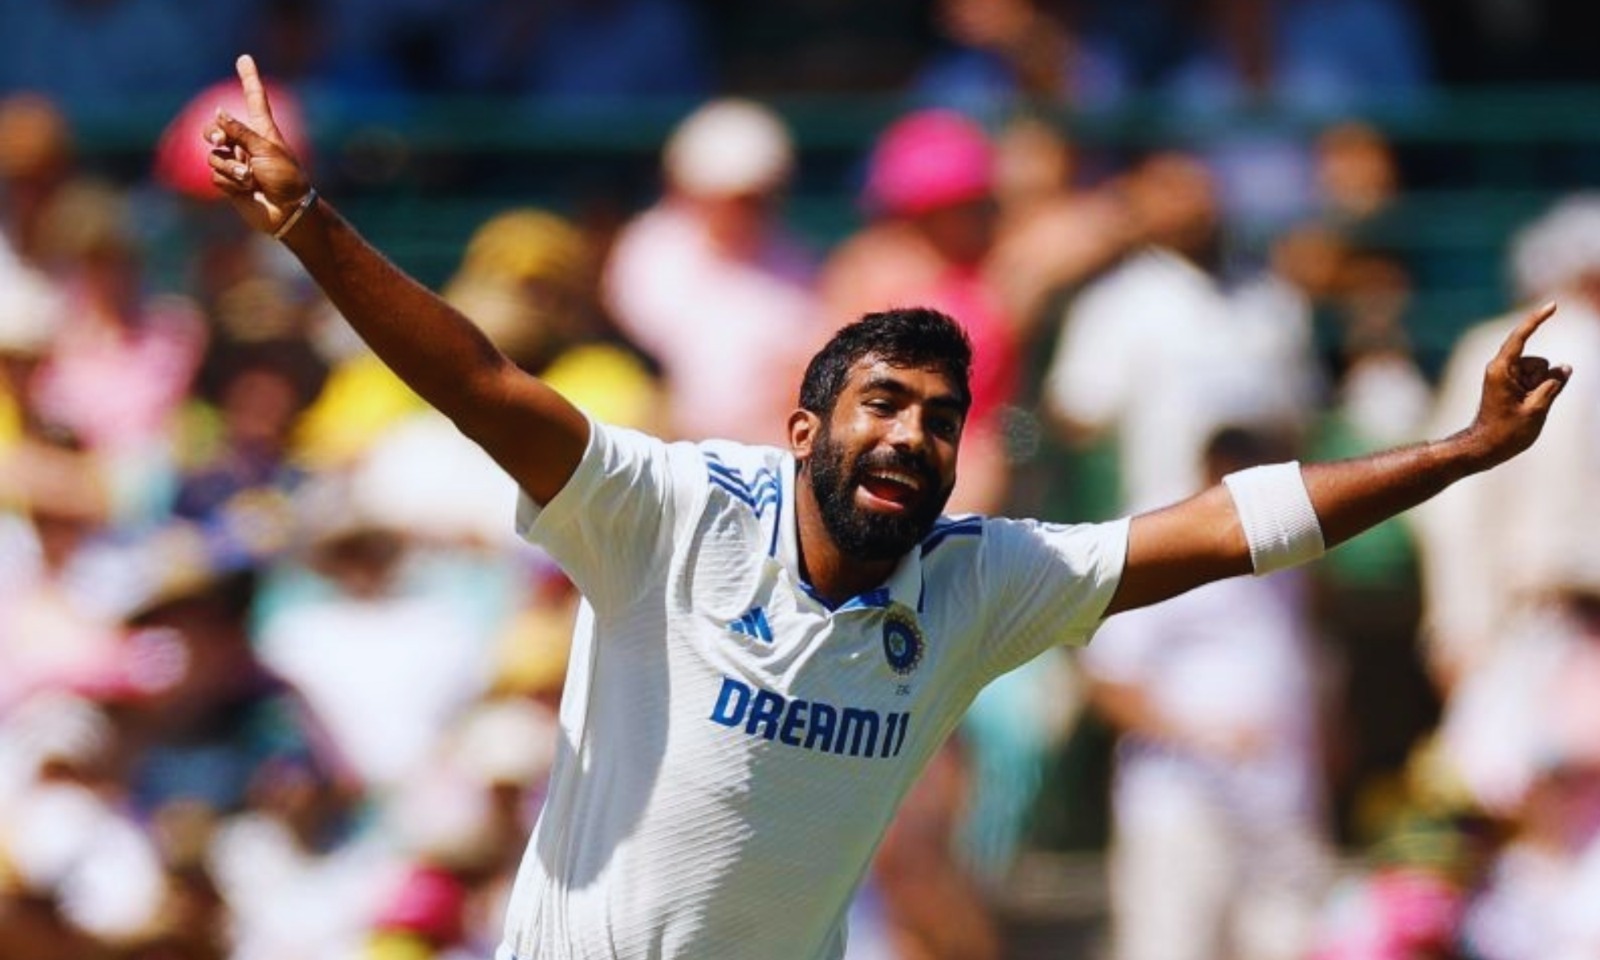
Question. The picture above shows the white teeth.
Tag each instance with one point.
(902, 478)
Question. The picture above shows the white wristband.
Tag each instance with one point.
(1275, 510)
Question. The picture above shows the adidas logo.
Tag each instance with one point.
(753, 624)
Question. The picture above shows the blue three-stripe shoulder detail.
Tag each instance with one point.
(945, 528)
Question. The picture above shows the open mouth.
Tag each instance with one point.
(892, 488)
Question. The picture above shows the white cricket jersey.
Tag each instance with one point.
(732, 748)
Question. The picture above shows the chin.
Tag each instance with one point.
(884, 536)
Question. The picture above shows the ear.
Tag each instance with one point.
(803, 427)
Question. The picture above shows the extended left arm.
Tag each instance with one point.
(1203, 538)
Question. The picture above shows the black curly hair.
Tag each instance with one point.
(903, 337)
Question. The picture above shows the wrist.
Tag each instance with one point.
(298, 212)
(1464, 453)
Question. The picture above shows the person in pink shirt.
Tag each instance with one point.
(710, 283)
(122, 362)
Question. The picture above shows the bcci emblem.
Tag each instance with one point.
(902, 641)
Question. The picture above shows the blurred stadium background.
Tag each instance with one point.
(229, 542)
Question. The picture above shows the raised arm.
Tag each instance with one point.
(1203, 538)
(533, 432)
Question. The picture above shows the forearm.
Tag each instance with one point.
(1205, 538)
(534, 433)
(435, 350)
(1263, 520)
(1351, 496)
(1517, 394)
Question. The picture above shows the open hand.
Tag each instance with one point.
(251, 163)
(1518, 392)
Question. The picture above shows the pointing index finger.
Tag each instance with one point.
(255, 97)
(1512, 348)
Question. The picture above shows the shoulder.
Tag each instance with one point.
(997, 548)
(736, 457)
(630, 462)
(1002, 531)
(612, 447)
(954, 535)
(748, 474)
(1021, 584)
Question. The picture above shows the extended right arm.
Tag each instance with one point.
(533, 432)
(1203, 538)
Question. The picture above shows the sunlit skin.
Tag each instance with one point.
(902, 427)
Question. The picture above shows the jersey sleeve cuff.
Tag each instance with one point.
(532, 518)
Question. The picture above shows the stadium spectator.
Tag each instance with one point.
(1167, 347)
(59, 584)
(1220, 843)
(531, 281)
(37, 159)
(123, 361)
(1314, 59)
(303, 865)
(235, 478)
(1523, 735)
(711, 283)
(1363, 292)
(1056, 231)
(1532, 711)
(1538, 900)
(82, 871)
(355, 597)
(59, 588)
(202, 712)
(1485, 552)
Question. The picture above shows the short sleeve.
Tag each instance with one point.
(1055, 582)
(611, 526)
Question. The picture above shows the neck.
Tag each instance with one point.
(833, 575)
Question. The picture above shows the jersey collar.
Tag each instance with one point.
(903, 588)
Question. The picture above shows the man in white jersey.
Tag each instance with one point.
(774, 641)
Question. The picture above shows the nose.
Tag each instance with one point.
(907, 433)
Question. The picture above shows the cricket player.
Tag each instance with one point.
(774, 641)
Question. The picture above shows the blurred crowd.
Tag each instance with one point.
(95, 53)
(278, 682)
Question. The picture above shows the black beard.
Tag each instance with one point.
(862, 534)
